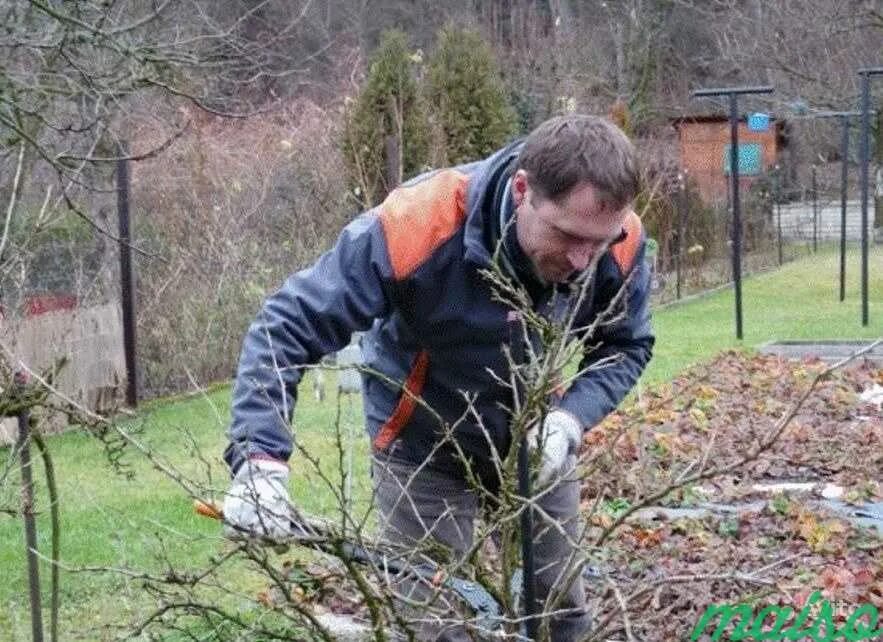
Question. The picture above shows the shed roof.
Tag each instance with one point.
(715, 118)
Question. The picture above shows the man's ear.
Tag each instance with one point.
(519, 187)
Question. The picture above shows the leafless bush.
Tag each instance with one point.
(234, 208)
(367, 580)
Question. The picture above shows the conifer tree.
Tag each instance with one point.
(386, 133)
(468, 100)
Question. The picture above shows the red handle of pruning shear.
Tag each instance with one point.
(208, 509)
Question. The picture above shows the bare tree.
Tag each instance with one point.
(77, 75)
(77, 79)
(807, 49)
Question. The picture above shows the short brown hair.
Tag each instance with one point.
(566, 151)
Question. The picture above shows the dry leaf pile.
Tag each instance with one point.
(781, 547)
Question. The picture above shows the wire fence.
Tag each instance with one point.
(693, 250)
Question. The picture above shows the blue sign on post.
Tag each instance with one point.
(758, 122)
(750, 159)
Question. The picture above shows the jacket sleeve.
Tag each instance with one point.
(313, 314)
(628, 342)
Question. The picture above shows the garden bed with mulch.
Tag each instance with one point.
(762, 548)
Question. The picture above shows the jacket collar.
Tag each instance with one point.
(482, 216)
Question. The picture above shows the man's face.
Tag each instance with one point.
(563, 238)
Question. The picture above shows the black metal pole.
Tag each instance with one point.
(815, 209)
(682, 206)
(732, 93)
(127, 294)
(779, 212)
(516, 348)
(737, 214)
(865, 165)
(23, 447)
(864, 146)
(844, 153)
(844, 117)
(530, 599)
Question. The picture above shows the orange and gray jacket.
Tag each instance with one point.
(409, 273)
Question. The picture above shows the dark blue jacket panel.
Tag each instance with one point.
(439, 319)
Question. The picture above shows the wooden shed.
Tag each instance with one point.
(704, 152)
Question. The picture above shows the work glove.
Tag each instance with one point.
(561, 437)
(257, 503)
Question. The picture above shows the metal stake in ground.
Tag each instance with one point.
(865, 163)
(516, 349)
(349, 384)
(23, 447)
(732, 93)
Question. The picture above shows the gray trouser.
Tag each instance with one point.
(417, 504)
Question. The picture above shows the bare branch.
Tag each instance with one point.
(13, 197)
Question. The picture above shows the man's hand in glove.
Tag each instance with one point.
(562, 435)
(257, 503)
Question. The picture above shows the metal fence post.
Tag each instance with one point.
(844, 152)
(865, 163)
(679, 255)
(127, 293)
(815, 211)
(844, 117)
(737, 210)
(777, 187)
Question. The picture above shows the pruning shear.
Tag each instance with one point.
(314, 534)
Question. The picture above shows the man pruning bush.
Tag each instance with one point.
(411, 273)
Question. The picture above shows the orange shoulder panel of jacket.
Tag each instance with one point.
(625, 251)
(418, 218)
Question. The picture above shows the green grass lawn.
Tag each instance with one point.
(108, 520)
(798, 301)
(147, 522)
